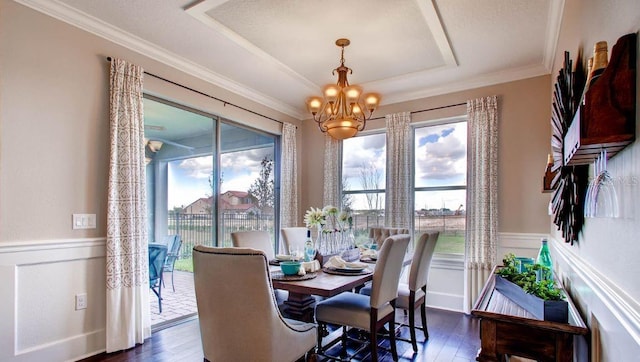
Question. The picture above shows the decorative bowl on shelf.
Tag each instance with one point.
(290, 267)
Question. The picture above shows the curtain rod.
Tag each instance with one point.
(426, 110)
(210, 96)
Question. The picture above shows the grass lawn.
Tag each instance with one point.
(450, 244)
(184, 265)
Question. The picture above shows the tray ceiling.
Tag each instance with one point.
(279, 52)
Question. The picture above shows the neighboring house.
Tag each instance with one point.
(237, 202)
(200, 206)
(237, 198)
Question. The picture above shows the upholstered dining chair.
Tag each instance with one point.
(256, 239)
(369, 313)
(413, 294)
(157, 254)
(238, 315)
(380, 234)
(293, 237)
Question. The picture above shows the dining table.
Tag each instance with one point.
(300, 303)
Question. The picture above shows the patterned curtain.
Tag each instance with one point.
(398, 183)
(128, 320)
(331, 195)
(289, 178)
(482, 199)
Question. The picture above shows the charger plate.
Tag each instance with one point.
(365, 271)
(278, 275)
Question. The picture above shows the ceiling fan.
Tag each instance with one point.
(155, 143)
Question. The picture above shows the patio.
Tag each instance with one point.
(181, 303)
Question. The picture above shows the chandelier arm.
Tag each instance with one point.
(361, 125)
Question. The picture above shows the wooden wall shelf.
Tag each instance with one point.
(607, 118)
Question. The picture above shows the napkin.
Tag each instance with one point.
(311, 266)
(338, 262)
(368, 253)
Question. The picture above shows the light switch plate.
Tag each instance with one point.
(83, 221)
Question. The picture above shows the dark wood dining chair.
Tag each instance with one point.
(237, 310)
(369, 313)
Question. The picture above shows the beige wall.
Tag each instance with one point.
(54, 139)
(524, 133)
(610, 245)
(55, 122)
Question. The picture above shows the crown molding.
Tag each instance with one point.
(556, 10)
(95, 26)
(484, 80)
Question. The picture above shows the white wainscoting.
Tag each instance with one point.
(38, 320)
(613, 316)
(446, 278)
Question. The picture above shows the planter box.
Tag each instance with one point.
(548, 310)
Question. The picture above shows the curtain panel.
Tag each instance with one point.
(289, 177)
(398, 174)
(331, 192)
(127, 272)
(482, 199)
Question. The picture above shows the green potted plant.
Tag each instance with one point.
(542, 298)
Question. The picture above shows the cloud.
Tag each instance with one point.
(197, 167)
(441, 154)
(363, 152)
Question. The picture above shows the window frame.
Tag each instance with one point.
(455, 257)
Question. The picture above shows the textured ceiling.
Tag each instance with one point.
(279, 52)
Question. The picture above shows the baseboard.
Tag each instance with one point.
(446, 301)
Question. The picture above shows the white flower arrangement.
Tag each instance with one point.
(330, 216)
(314, 218)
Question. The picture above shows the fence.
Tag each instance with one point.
(198, 229)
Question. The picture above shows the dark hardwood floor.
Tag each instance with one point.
(452, 337)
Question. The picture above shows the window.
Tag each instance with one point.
(363, 181)
(440, 183)
(203, 160)
(247, 182)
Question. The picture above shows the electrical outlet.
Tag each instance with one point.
(81, 301)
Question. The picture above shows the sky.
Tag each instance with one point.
(440, 160)
(189, 179)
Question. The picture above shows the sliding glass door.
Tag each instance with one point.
(248, 169)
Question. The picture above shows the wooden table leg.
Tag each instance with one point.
(300, 306)
(488, 348)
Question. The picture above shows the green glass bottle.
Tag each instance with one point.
(544, 259)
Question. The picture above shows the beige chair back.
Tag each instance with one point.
(423, 252)
(380, 234)
(293, 236)
(250, 330)
(386, 275)
(257, 239)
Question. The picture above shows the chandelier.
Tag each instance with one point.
(342, 113)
